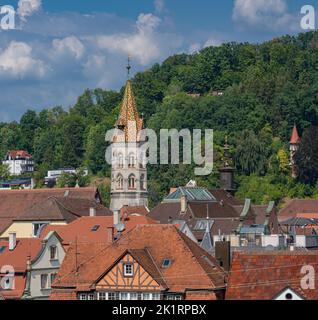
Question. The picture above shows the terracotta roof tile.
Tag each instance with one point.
(262, 275)
(191, 268)
(297, 207)
(15, 203)
(80, 230)
(295, 136)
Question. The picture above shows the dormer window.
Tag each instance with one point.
(128, 270)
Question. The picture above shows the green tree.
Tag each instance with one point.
(307, 156)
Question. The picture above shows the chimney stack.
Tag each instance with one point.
(92, 212)
(12, 240)
(183, 201)
(223, 254)
(116, 217)
(111, 234)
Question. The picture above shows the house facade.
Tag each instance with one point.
(19, 162)
(42, 270)
(137, 266)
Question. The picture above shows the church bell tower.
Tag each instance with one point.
(129, 170)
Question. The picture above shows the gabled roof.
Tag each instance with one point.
(263, 275)
(15, 203)
(144, 259)
(191, 268)
(295, 137)
(18, 153)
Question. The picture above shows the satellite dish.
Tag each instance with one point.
(120, 227)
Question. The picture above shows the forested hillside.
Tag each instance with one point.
(267, 88)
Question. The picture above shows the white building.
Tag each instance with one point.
(53, 175)
(19, 162)
(43, 269)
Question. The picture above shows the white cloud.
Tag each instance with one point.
(70, 45)
(27, 7)
(213, 42)
(271, 14)
(159, 6)
(144, 44)
(16, 61)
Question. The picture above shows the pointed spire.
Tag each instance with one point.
(295, 136)
(129, 120)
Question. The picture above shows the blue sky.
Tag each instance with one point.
(60, 47)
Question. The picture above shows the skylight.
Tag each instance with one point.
(95, 228)
(2, 249)
(166, 263)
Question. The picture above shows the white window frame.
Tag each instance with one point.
(128, 274)
(83, 296)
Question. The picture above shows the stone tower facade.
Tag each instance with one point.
(293, 148)
(129, 170)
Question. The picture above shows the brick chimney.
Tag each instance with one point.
(110, 234)
(12, 240)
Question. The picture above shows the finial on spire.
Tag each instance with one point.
(128, 67)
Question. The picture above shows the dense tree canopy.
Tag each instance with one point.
(252, 93)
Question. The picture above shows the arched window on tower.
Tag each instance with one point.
(131, 161)
(120, 182)
(142, 182)
(132, 182)
(120, 160)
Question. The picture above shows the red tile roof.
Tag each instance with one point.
(14, 203)
(65, 209)
(263, 275)
(18, 260)
(137, 210)
(191, 268)
(299, 208)
(80, 230)
(19, 153)
(295, 137)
